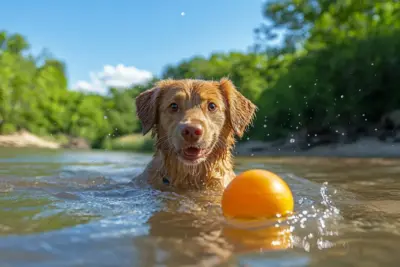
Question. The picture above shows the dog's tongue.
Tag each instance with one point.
(192, 151)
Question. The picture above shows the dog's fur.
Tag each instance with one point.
(232, 115)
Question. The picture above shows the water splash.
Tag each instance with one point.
(313, 224)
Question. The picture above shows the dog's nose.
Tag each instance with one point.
(192, 132)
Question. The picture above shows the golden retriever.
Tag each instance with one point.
(194, 123)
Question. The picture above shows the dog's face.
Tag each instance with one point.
(194, 117)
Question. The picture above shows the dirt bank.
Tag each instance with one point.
(26, 139)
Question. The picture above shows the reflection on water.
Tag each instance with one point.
(70, 208)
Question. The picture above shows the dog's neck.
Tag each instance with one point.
(210, 173)
(215, 172)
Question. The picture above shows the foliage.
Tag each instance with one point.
(344, 72)
(251, 73)
(35, 97)
(135, 142)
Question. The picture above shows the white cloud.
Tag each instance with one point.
(119, 76)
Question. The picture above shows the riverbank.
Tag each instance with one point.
(26, 139)
(132, 142)
(363, 147)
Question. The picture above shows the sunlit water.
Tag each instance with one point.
(72, 208)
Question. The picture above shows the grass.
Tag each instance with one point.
(62, 139)
(133, 142)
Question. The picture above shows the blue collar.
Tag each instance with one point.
(165, 181)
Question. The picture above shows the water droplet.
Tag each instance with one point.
(341, 96)
(183, 14)
(290, 86)
(292, 140)
(105, 117)
(265, 126)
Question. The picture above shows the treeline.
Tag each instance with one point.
(34, 96)
(337, 66)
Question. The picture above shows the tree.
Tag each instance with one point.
(316, 23)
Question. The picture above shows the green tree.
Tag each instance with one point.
(250, 72)
(343, 72)
(316, 23)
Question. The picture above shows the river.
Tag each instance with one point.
(74, 208)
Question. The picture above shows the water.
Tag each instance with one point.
(72, 208)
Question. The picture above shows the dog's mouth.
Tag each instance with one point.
(193, 153)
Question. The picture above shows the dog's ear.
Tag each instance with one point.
(241, 111)
(147, 108)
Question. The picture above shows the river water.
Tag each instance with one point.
(74, 208)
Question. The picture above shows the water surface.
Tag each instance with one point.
(74, 208)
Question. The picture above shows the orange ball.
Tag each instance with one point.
(257, 194)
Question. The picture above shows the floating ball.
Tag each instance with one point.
(257, 194)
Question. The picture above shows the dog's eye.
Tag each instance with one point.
(174, 107)
(212, 106)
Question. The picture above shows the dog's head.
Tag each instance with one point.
(194, 118)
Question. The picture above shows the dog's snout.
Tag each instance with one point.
(191, 132)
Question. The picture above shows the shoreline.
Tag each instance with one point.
(25, 139)
(366, 147)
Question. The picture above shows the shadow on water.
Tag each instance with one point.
(72, 208)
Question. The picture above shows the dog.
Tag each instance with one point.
(194, 123)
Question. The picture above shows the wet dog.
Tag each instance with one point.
(194, 123)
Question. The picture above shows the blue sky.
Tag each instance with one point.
(93, 37)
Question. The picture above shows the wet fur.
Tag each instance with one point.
(216, 171)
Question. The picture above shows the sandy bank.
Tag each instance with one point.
(26, 139)
(364, 147)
